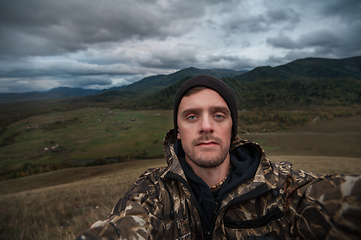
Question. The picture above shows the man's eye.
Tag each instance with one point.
(218, 116)
(191, 117)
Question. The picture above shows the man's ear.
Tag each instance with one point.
(178, 135)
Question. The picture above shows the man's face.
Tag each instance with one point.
(204, 128)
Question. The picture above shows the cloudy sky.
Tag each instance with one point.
(101, 44)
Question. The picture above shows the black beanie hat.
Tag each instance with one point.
(215, 84)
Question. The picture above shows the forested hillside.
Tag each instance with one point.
(308, 69)
(155, 83)
(274, 94)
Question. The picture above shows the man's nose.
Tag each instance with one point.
(206, 125)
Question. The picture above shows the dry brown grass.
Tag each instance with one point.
(70, 175)
(62, 211)
(323, 165)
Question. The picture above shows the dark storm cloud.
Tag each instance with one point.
(337, 36)
(91, 43)
(347, 10)
(86, 81)
(63, 68)
(43, 27)
(181, 56)
(231, 61)
(324, 42)
(81, 81)
(18, 86)
(29, 84)
(262, 22)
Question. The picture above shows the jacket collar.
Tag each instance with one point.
(264, 173)
(174, 165)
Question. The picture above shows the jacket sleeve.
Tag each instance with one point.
(136, 216)
(329, 207)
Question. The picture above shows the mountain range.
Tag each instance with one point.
(54, 93)
(308, 69)
(299, 70)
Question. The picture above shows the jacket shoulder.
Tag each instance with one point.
(137, 214)
(323, 206)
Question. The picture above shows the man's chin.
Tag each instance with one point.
(207, 161)
(209, 164)
(208, 150)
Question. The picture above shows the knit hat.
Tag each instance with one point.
(215, 84)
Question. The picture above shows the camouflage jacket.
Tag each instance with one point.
(278, 203)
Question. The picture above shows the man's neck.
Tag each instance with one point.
(211, 176)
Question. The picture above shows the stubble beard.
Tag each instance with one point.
(201, 160)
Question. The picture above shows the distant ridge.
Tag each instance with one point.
(55, 93)
(307, 69)
(156, 83)
(144, 86)
(300, 70)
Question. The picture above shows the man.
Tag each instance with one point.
(217, 186)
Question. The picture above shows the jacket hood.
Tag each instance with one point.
(264, 174)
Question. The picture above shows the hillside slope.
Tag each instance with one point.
(155, 83)
(271, 94)
(55, 93)
(307, 69)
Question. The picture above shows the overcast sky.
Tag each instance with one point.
(101, 44)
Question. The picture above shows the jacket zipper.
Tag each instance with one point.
(174, 176)
(274, 214)
(260, 190)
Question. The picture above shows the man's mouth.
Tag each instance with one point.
(208, 143)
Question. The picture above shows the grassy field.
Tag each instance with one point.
(339, 137)
(95, 136)
(59, 204)
(84, 135)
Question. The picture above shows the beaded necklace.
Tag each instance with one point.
(221, 182)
